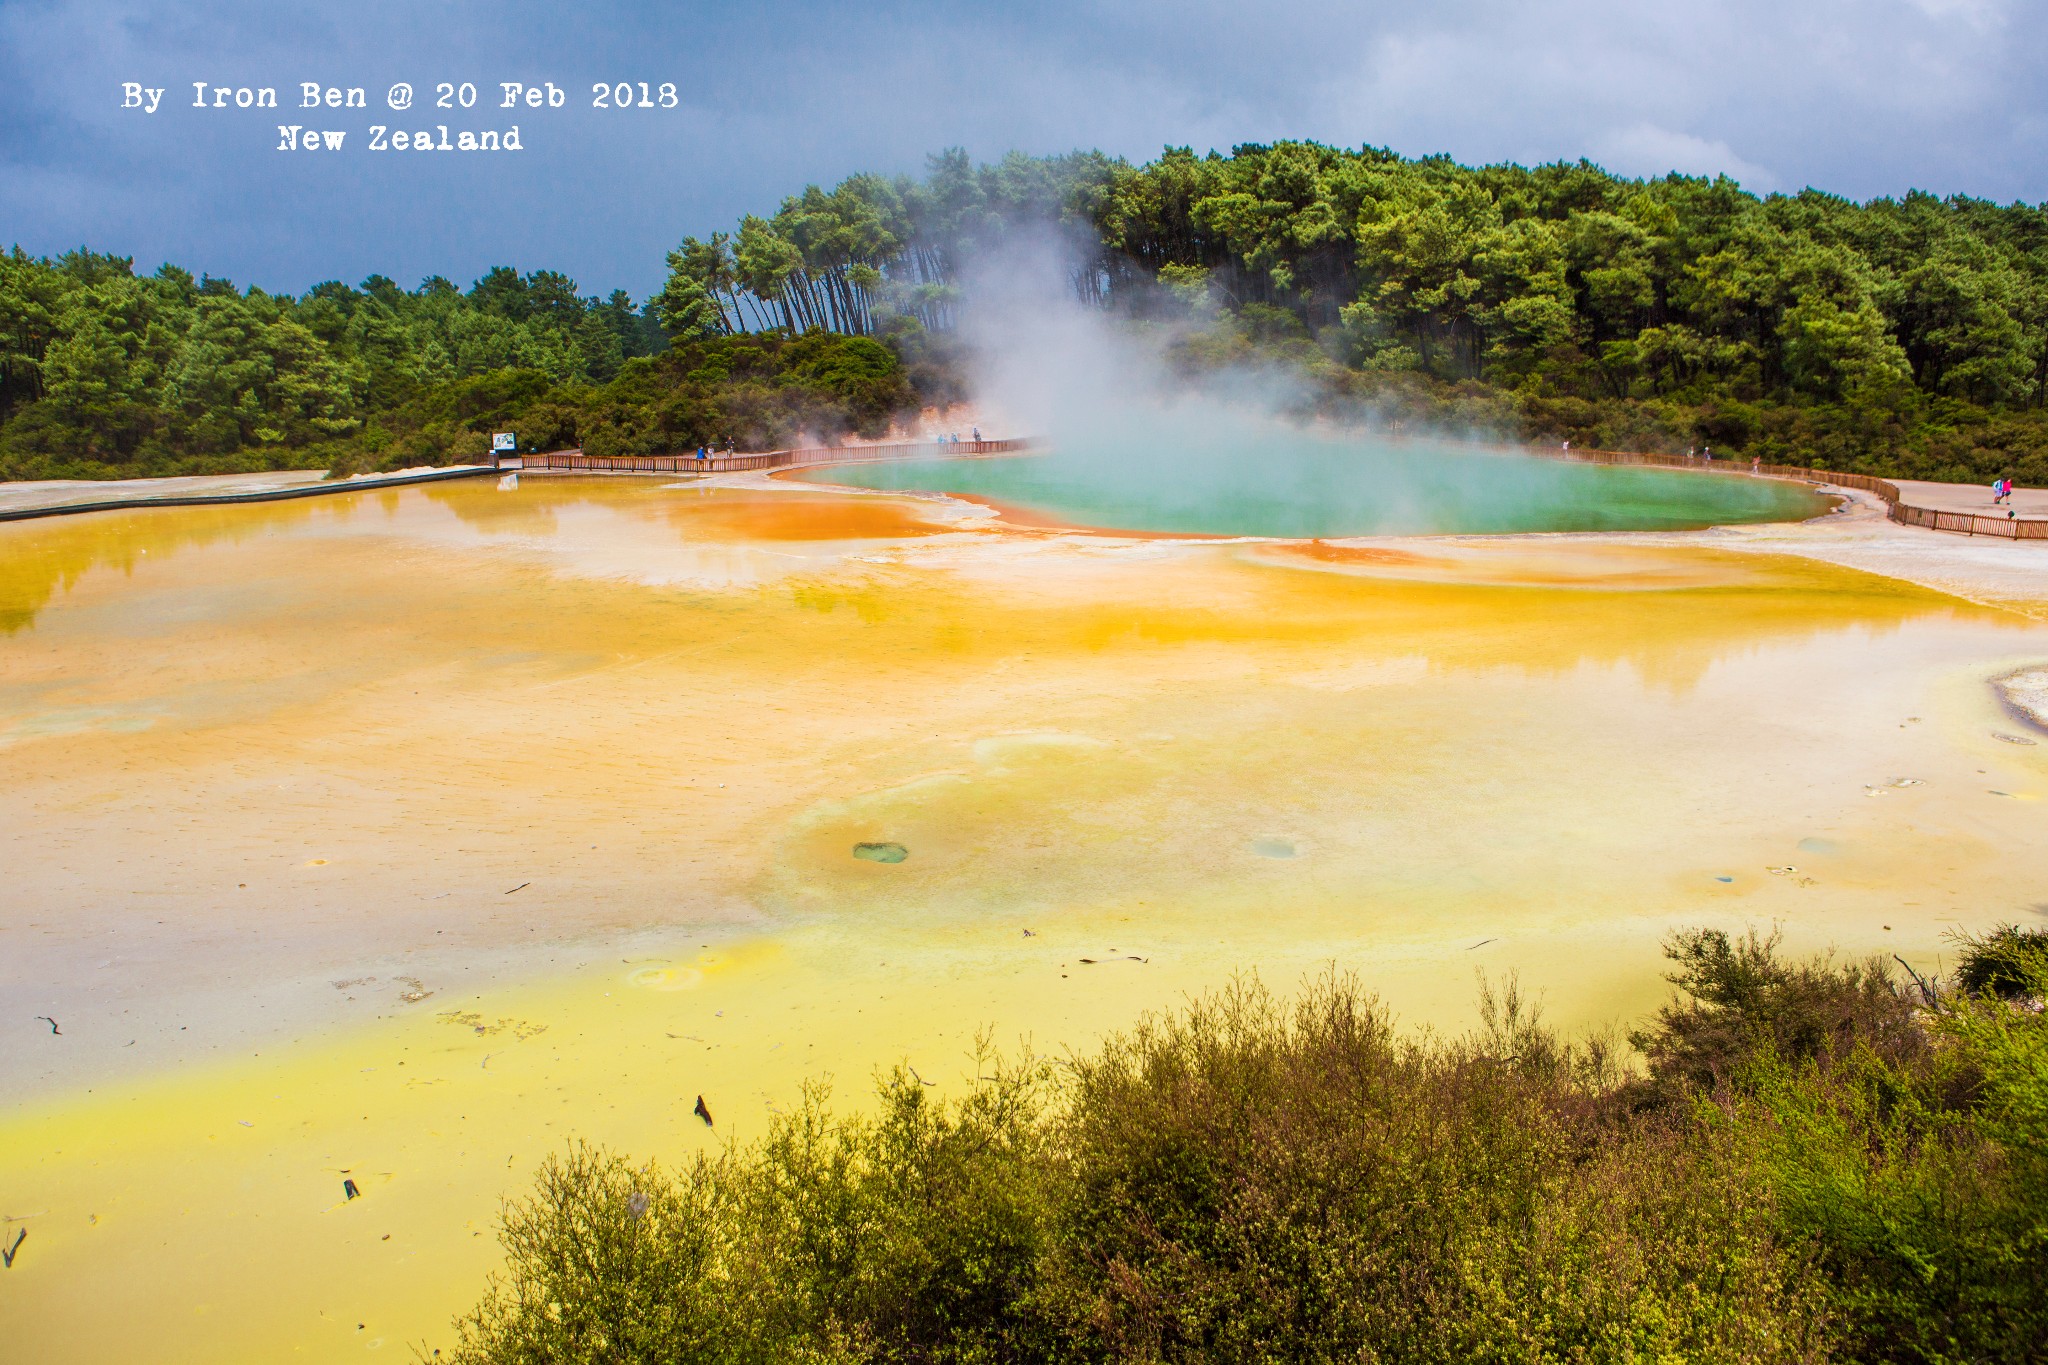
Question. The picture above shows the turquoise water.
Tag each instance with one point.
(1305, 485)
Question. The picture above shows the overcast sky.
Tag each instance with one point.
(1861, 97)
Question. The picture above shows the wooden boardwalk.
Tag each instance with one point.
(2004, 525)
(1900, 506)
(576, 462)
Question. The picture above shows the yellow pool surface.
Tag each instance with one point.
(401, 837)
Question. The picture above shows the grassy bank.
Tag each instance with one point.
(1806, 1161)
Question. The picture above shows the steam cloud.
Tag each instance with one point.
(1136, 444)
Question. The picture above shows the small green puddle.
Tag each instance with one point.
(1273, 848)
(881, 853)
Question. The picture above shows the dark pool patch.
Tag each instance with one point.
(1273, 848)
(881, 853)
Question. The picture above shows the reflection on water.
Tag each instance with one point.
(414, 834)
(480, 580)
(1306, 484)
(40, 559)
(695, 512)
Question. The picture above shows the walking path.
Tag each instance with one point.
(1916, 502)
(55, 497)
(1972, 514)
(1971, 497)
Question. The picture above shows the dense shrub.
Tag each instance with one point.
(915, 1233)
(1741, 999)
(2007, 961)
(1820, 1165)
(1245, 1181)
(1904, 1138)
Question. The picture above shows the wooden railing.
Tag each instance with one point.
(575, 461)
(1901, 511)
(1905, 513)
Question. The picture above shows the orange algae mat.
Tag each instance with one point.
(401, 838)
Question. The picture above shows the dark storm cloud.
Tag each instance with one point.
(1862, 97)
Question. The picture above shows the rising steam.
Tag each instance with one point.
(1135, 443)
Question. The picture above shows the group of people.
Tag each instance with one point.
(2001, 490)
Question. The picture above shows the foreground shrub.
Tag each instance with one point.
(2007, 961)
(1742, 999)
(607, 1263)
(1247, 1182)
(1907, 1144)
(1820, 1166)
(911, 1233)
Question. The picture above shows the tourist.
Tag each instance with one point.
(701, 455)
(977, 435)
(1756, 464)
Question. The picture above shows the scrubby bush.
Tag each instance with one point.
(2006, 961)
(1742, 999)
(1901, 1129)
(1247, 1181)
(1820, 1165)
(914, 1232)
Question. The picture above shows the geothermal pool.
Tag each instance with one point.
(1302, 484)
(401, 837)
